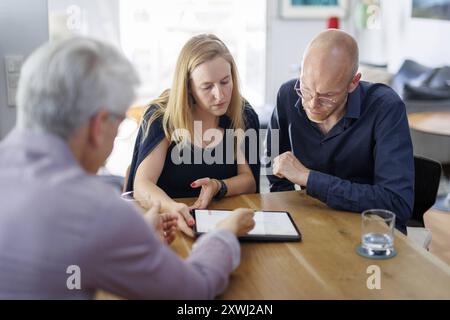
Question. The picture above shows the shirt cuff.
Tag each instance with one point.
(318, 185)
(225, 237)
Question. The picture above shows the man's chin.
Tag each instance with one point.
(317, 118)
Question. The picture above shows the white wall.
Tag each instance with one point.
(98, 19)
(423, 40)
(401, 37)
(286, 41)
(23, 27)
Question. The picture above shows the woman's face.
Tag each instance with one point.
(212, 86)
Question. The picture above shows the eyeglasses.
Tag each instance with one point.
(307, 96)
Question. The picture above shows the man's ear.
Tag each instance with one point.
(354, 84)
(97, 127)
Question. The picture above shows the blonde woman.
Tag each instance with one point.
(195, 117)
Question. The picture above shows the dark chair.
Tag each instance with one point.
(426, 184)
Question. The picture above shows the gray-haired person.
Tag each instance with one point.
(57, 220)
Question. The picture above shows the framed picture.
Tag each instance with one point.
(431, 9)
(313, 9)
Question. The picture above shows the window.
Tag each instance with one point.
(151, 33)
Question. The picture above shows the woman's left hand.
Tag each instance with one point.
(210, 187)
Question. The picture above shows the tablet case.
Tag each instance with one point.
(261, 238)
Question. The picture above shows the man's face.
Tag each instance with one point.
(102, 135)
(320, 105)
(111, 128)
(324, 85)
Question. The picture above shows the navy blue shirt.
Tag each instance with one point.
(364, 162)
(176, 177)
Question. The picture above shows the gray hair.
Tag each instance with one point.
(62, 85)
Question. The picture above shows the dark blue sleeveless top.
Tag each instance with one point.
(176, 177)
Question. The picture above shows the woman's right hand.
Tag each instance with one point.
(185, 220)
(239, 223)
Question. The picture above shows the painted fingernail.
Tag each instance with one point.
(191, 222)
(193, 184)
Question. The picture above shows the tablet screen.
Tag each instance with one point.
(267, 223)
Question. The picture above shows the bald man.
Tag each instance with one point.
(347, 141)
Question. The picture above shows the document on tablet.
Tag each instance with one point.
(269, 225)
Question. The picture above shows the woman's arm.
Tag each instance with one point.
(147, 175)
(243, 183)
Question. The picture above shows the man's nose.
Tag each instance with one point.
(314, 102)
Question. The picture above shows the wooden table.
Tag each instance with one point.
(324, 265)
(430, 133)
(437, 123)
(431, 136)
(438, 222)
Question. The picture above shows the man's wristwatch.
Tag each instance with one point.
(222, 191)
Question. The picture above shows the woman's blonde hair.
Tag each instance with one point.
(175, 105)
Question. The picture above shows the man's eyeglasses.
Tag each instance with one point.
(307, 96)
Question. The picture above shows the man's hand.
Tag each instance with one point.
(210, 187)
(165, 224)
(169, 226)
(288, 166)
(240, 222)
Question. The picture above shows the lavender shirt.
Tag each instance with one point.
(54, 215)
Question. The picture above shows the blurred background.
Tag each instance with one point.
(402, 43)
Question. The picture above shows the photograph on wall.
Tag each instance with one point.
(431, 9)
(312, 9)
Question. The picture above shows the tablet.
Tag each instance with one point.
(269, 225)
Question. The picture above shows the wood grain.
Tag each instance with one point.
(438, 222)
(325, 264)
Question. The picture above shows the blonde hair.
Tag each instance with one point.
(175, 105)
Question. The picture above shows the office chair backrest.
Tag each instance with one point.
(426, 184)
